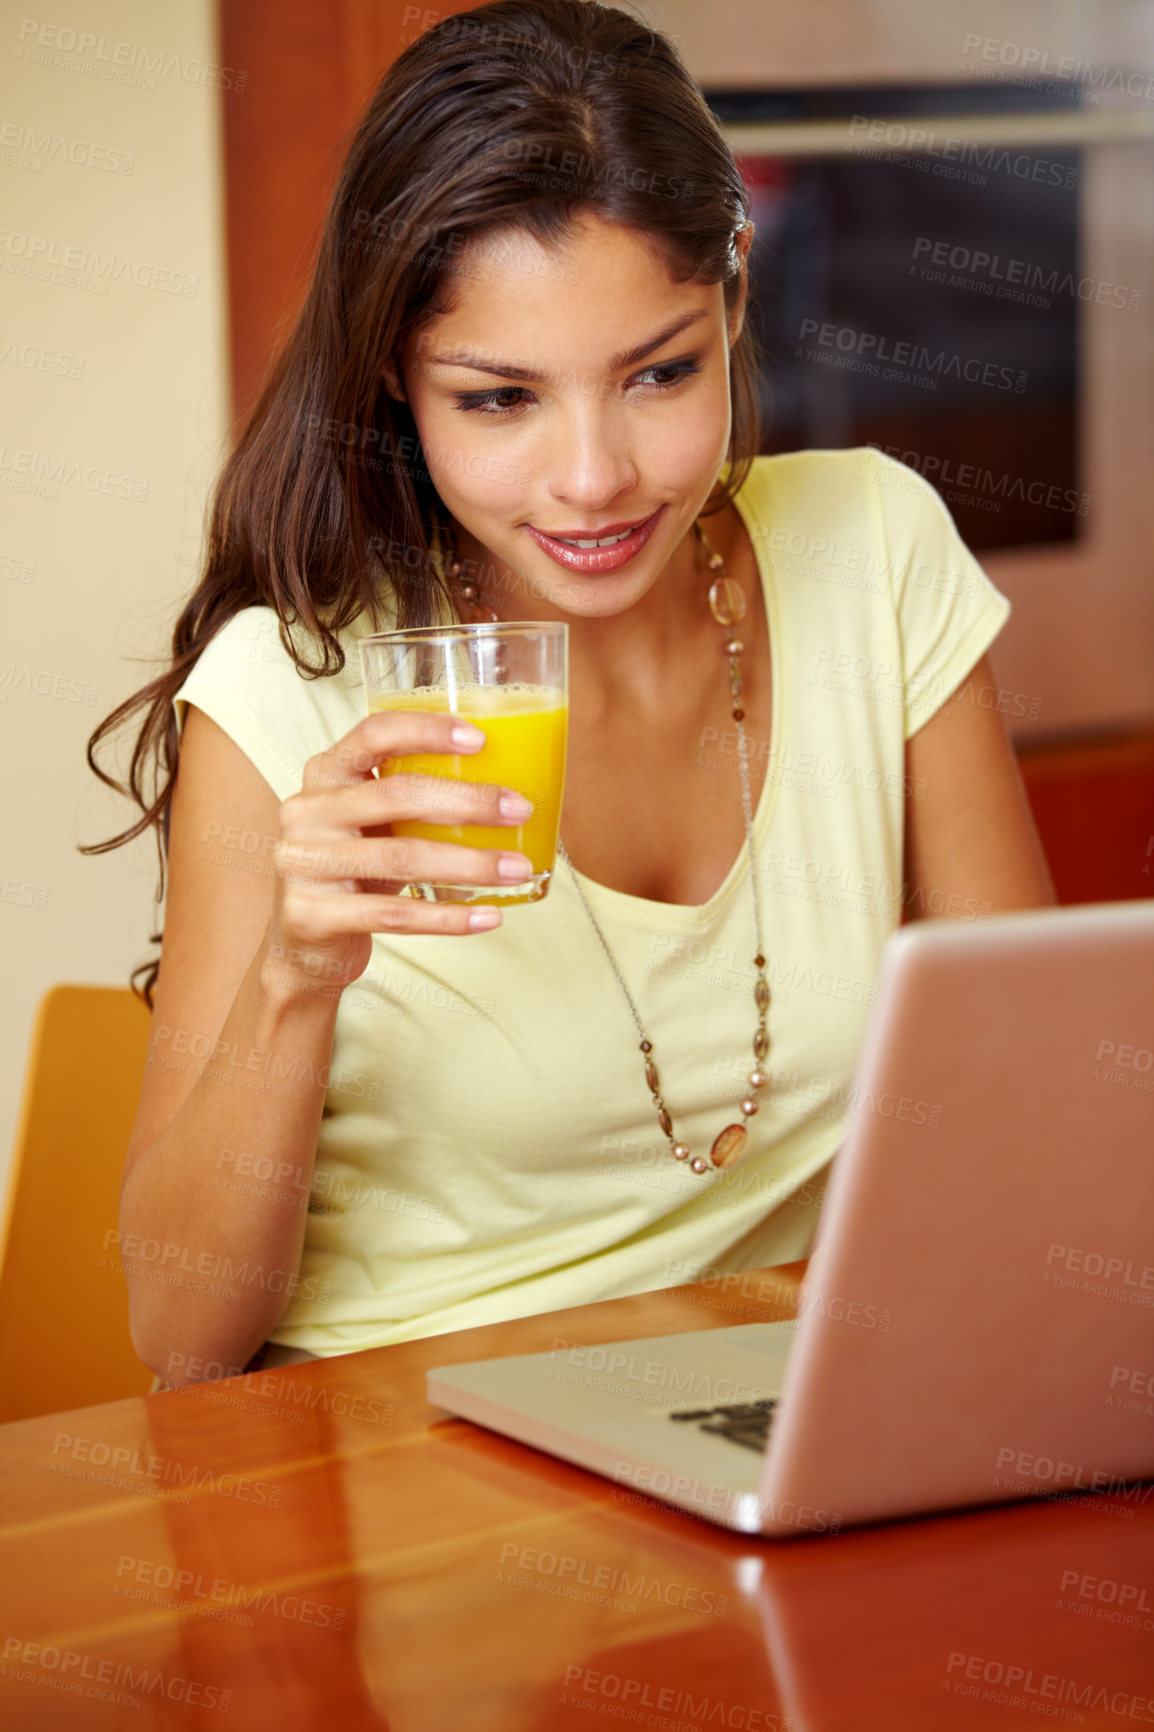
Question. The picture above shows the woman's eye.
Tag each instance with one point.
(667, 374)
(506, 399)
(495, 402)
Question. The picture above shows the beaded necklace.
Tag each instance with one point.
(728, 606)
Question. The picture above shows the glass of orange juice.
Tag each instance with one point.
(511, 680)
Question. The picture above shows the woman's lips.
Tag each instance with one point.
(596, 559)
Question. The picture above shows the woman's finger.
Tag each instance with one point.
(313, 917)
(389, 734)
(396, 860)
(390, 799)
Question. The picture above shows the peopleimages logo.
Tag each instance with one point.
(40, 253)
(154, 1470)
(1106, 1590)
(1080, 1261)
(1015, 1686)
(135, 63)
(64, 1668)
(629, 1695)
(945, 473)
(868, 350)
(24, 147)
(940, 153)
(1025, 59)
(42, 473)
(1064, 1476)
(193, 1591)
(174, 1260)
(1009, 274)
(659, 1482)
(526, 1564)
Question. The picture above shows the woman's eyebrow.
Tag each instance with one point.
(631, 357)
(508, 370)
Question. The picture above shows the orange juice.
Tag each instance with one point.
(525, 728)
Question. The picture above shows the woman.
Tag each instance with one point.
(369, 1117)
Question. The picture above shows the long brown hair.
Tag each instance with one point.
(515, 116)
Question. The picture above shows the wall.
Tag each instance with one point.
(314, 69)
(113, 385)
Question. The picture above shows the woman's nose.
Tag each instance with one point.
(590, 462)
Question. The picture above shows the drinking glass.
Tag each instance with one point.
(511, 680)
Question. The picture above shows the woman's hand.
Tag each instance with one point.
(340, 867)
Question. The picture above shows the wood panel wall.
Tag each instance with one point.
(311, 70)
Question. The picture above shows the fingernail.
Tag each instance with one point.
(514, 806)
(464, 734)
(484, 919)
(514, 866)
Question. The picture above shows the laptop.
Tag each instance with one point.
(977, 1320)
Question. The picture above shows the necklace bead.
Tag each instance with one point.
(728, 1145)
(726, 600)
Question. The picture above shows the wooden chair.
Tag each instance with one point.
(64, 1339)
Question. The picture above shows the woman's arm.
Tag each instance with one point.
(229, 1089)
(270, 913)
(971, 838)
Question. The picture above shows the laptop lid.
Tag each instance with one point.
(977, 1322)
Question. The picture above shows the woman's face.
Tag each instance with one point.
(575, 393)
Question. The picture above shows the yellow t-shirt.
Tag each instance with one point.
(489, 1147)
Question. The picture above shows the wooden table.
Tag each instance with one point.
(313, 1547)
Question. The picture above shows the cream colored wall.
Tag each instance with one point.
(112, 419)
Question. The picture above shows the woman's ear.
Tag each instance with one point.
(392, 379)
(742, 241)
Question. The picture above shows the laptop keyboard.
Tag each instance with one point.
(746, 1423)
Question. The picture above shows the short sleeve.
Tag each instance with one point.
(948, 611)
(247, 682)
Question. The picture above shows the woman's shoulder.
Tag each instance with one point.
(262, 651)
(259, 635)
(264, 682)
(856, 507)
(856, 479)
(859, 524)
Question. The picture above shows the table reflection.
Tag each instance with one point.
(979, 1618)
